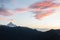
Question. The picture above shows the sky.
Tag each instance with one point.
(31, 13)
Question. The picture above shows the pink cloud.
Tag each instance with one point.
(43, 9)
(41, 5)
(20, 9)
(39, 16)
(5, 12)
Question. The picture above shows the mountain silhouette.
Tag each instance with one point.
(24, 33)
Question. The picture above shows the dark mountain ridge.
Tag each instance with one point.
(24, 33)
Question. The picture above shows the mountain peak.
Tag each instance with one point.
(11, 24)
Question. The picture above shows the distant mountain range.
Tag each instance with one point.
(10, 24)
(24, 33)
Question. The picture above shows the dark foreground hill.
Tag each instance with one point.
(23, 33)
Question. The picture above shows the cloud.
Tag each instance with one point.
(21, 9)
(5, 12)
(43, 9)
(41, 5)
(39, 16)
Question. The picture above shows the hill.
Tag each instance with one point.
(24, 33)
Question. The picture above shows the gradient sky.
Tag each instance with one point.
(27, 13)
